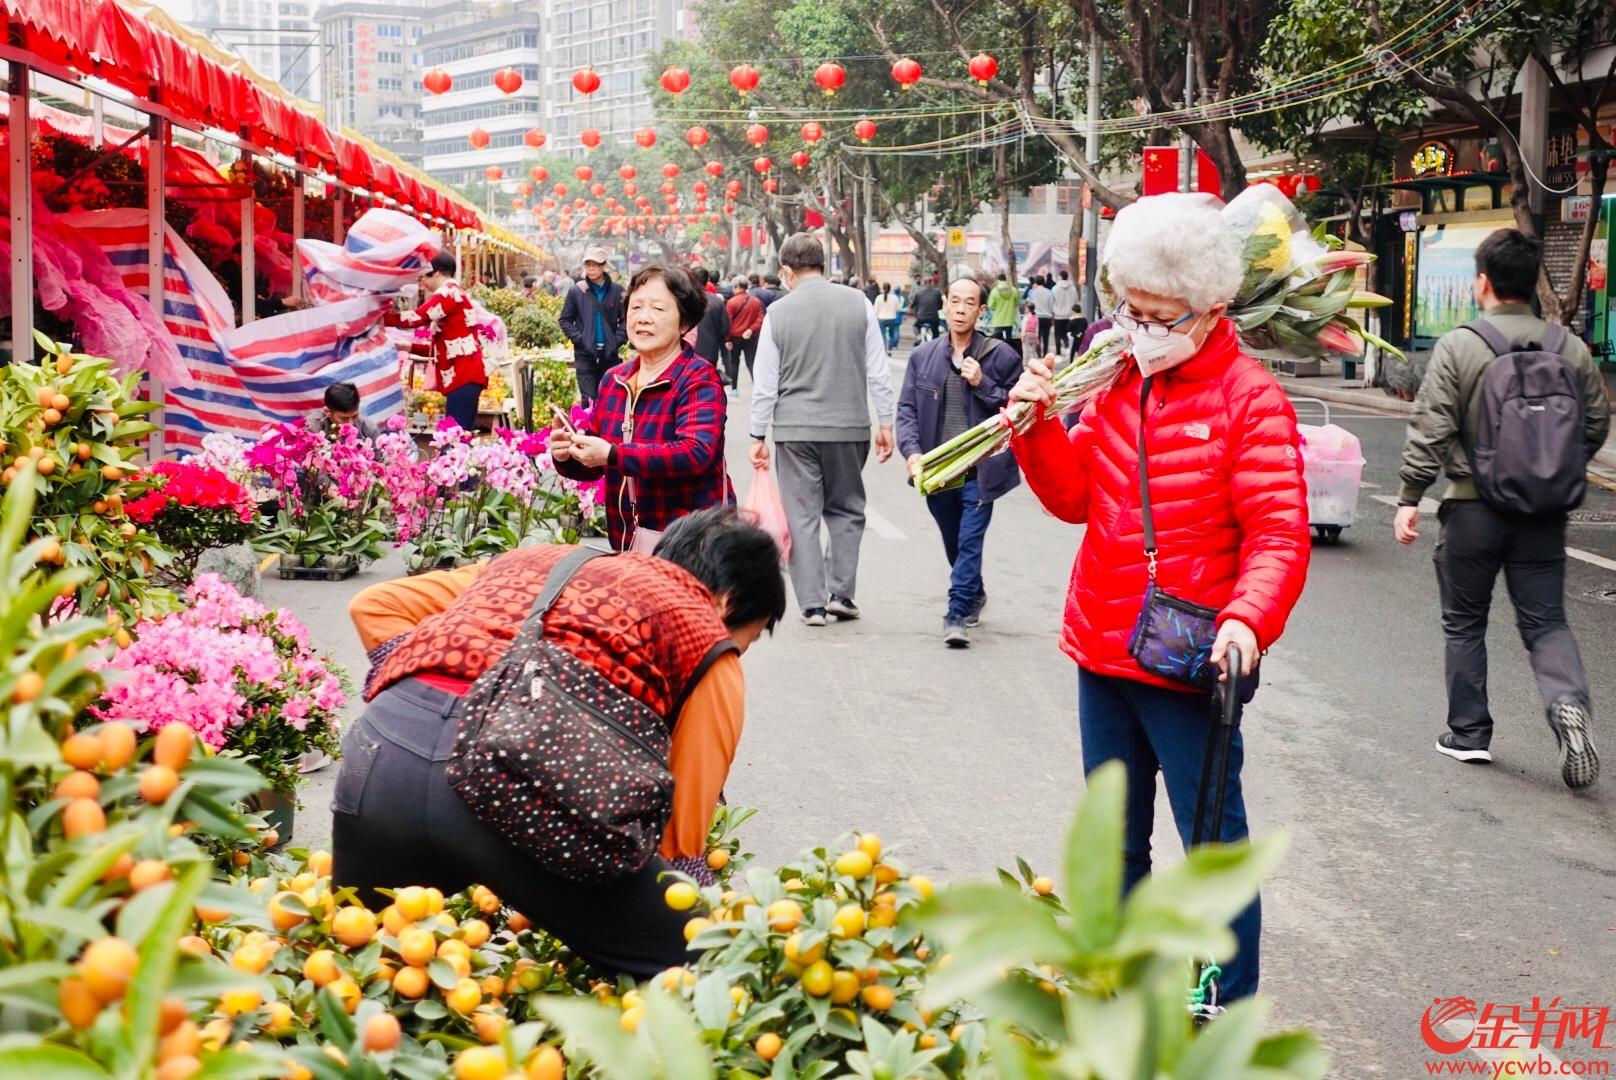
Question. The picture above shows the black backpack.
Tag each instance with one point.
(1528, 457)
(558, 761)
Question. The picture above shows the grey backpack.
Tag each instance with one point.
(1528, 456)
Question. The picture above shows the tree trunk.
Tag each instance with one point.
(1571, 300)
(1001, 181)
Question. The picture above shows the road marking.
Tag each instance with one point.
(1367, 484)
(1431, 506)
(269, 560)
(881, 526)
(1511, 1037)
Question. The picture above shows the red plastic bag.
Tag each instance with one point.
(764, 508)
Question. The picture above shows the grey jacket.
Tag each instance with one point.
(1448, 407)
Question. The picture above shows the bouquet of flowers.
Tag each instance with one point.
(241, 676)
(328, 491)
(192, 507)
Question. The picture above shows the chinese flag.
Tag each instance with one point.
(743, 236)
(812, 219)
(1160, 171)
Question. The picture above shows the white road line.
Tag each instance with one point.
(1367, 484)
(1430, 506)
(882, 527)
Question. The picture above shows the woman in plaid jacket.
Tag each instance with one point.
(657, 429)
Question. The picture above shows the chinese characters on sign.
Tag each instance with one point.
(1453, 1025)
(1434, 158)
(1560, 158)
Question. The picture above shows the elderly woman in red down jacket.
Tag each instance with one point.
(1228, 505)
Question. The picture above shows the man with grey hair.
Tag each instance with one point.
(820, 358)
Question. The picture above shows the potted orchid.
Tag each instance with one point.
(241, 676)
(329, 499)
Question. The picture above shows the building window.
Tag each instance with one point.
(393, 85)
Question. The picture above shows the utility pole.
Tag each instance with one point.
(1186, 152)
(1091, 212)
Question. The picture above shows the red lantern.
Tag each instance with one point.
(762, 165)
(668, 187)
(771, 185)
(675, 80)
(813, 131)
(584, 172)
(699, 189)
(597, 189)
(982, 68)
(534, 138)
(715, 169)
(631, 189)
(830, 76)
(437, 81)
(516, 204)
(744, 78)
(646, 137)
(757, 134)
(524, 189)
(729, 208)
(579, 203)
(560, 191)
(508, 79)
(478, 138)
(627, 172)
(697, 137)
(801, 159)
(865, 130)
(670, 170)
(906, 73)
(585, 81)
(733, 188)
(589, 137)
(539, 173)
(494, 172)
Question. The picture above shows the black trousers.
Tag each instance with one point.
(740, 349)
(1063, 332)
(396, 821)
(1045, 325)
(591, 367)
(1475, 543)
(461, 404)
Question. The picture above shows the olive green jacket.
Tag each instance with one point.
(1448, 408)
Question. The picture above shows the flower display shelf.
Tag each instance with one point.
(327, 569)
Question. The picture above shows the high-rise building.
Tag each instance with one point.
(614, 38)
(370, 68)
(471, 53)
(276, 37)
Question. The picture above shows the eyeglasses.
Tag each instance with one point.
(1146, 327)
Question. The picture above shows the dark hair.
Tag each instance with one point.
(754, 280)
(771, 280)
(1065, 275)
(444, 263)
(1001, 275)
(886, 287)
(699, 272)
(342, 397)
(1511, 260)
(802, 251)
(529, 282)
(686, 293)
(734, 558)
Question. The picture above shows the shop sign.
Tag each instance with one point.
(956, 237)
(1434, 158)
(1577, 208)
(1560, 158)
(1408, 221)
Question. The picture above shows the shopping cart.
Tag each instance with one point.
(1333, 462)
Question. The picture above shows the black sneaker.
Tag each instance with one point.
(814, 616)
(955, 636)
(842, 608)
(1448, 743)
(1579, 761)
(974, 619)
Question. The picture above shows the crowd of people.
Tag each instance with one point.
(1186, 471)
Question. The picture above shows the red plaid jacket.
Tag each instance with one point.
(667, 445)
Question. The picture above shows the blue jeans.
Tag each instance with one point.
(963, 519)
(1151, 729)
(889, 331)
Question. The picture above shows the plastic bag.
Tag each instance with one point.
(764, 508)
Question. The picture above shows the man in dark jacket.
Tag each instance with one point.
(952, 384)
(713, 330)
(592, 319)
(928, 308)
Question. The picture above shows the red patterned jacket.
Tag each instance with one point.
(455, 344)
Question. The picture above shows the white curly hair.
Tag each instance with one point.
(1175, 245)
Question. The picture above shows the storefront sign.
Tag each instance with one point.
(1577, 208)
(1560, 158)
(1434, 158)
(956, 237)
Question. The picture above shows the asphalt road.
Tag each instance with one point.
(1410, 877)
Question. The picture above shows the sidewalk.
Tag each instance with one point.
(1340, 392)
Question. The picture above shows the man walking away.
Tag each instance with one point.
(1042, 301)
(1003, 303)
(772, 290)
(713, 329)
(745, 313)
(1466, 398)
(820, 359)
(592, 319)
(952, 385)
(928, 307)
(1063, 301)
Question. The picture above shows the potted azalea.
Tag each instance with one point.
(329, 500)
(192, 507)
(241, 676)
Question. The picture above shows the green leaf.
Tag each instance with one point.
(442, 973)
(1224, 1047)
(593, 1032)
(335, 1023)
(1113, 1033)
(142, 910)
(87, 870)
(1295, 1053)
(48, 1062)
(673, 1035)
(428, 1009)
(40, 971)
(211, 978)
(1094, 859)
(159, 956)
(212, 816)
(711, 1002)
(1214, 883)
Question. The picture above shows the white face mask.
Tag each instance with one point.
(1154, 354)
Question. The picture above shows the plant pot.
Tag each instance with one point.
(319, 567)
(280, 812)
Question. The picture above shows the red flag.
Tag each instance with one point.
(744, 236)
(812, 219)
(1160, 171)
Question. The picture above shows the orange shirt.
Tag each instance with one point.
(705, 733)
